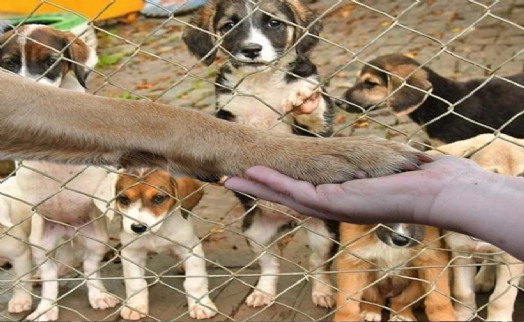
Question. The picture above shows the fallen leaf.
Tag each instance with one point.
(361, 123)
(340, 119)
(144, 86)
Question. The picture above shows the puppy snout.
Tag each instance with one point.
(251, 50)
(138, 228)
(399, 240)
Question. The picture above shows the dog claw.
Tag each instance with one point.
(20, 304)
(258, 298)
(323, 300)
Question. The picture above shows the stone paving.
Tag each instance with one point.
(147, 60)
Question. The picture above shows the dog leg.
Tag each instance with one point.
(485, 278)
(463, 287)
(402, 305)
(260, 234)
(94, 238)
(22, 298)
(352, 279)
(502, 300)
(321, 244)
(196, 283)
(43, 242)
(435, 281)
(371, 305)
(137, 294)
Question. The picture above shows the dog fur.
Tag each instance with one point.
(34, 52)
(402, 263)
(269, 83)
(504, 155)
(425, 96)
(155, 211)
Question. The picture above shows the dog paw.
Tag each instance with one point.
(258, 298)
(370, 316)
(205, 310)
(20, 303)
(464, 314)
(337, 160)
(304, 100)
(100, 300)
(44, 314)
(484, 284)
(402, 317)
(323, 299)
(134, 312)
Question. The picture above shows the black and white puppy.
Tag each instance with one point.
(269, 83)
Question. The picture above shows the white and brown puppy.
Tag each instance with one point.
(425, 96)
(155, 218)
(402, 264)
(269, 83)
(504, 155)
(58, 193)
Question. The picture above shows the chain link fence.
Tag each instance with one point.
(142, 58)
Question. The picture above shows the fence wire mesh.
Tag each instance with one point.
(79, 234)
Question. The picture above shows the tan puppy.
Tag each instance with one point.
(504, 155)
(155, 218)
(402, 263)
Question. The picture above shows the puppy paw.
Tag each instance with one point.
(20, 303)
(402, 317)
(370, 316)
(258, 298)
(464, 314)
(134, 311)
(304, 100)
(484, 284)
(100, 300)
(205, 310)
(323, 299)
(44, 314)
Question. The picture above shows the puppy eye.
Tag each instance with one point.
(10, 64)
(158, 199)
(123, 200)
(50, 61)
(369, 84)
(273, 23)
(227, 26)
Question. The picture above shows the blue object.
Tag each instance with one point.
(154, 8)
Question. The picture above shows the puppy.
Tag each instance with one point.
(155, 218)
(58, 193)
(504, 155)
(15, 221)
(414, 90)
(269, 83)
(402, 263)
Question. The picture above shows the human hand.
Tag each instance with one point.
(415, 196)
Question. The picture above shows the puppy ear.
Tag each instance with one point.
(82, 56)
(405, 99)
(198, 36)
(305, 18)
(188, 191)
(105, 193)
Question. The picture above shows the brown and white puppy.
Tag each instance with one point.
(155, 211)
(47, 55)
(503, 155)
(399, 263)
(269, 83)
(60, 194)
(414, 90)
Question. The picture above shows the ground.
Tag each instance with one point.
(147, 60)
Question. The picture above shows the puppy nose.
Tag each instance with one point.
(138, 228)
(251, 50)
(399, 240)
